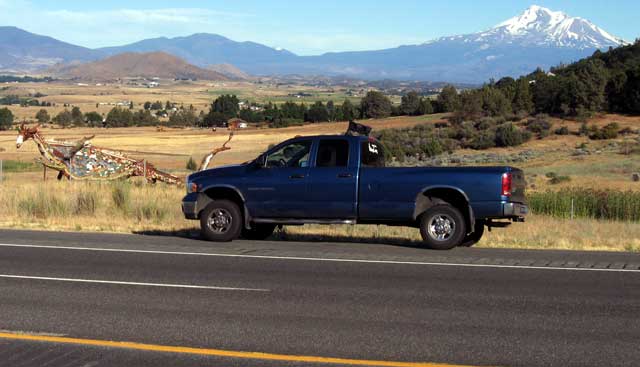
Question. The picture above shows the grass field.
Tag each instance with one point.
(126, 207)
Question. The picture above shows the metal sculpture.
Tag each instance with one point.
(80, 160)
(204, 164)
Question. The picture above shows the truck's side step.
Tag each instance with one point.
(303, 221)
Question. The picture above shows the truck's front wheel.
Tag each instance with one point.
(221, 221)
(442, 227)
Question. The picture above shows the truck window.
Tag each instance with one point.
(372, 154)
(294, 154)
(333, 153)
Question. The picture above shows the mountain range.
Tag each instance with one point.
(538, 37)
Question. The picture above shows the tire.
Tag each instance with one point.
(442, 227)
(221, 221)
(258, 231)
(473, 238)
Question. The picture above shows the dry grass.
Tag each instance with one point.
(136, 207)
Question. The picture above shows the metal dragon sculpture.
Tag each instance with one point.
(80, 160)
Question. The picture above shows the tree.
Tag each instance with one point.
(425, 107)
(6, 118)
(331, 110)
(119, 117)
(93, 119)
(375, 105)
(222, 109)
(317, 113)
(522, 99)
(43, 116)
(448, 99)
(76, 116)
(348, 110)
(410, 104)
(63, 118)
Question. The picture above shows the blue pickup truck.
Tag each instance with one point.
(343, 179)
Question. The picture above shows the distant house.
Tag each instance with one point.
(236, 123)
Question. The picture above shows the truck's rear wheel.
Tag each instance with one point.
(221, 221)
(442, 227)
(258, 231)
(473, 238)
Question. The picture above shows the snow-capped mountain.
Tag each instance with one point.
(543, 27)
(538, 37)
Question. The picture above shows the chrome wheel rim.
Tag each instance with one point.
(441, 227)
(220, 221)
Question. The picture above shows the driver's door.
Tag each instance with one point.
(279, 189)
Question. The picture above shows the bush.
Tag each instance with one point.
(562, 131)
(121, 195)
(539, 125)
(150, 211)
(508, 135)
(86, 203)
(484, 140)
(43, 205)
(609, 131)
(191, 164)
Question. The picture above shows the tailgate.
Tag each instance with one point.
(518, 185)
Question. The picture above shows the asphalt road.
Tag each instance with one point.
(296, 301)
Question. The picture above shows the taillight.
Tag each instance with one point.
(506, 184)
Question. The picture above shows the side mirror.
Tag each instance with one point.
(261, 161)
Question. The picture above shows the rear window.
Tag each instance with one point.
(372, 154)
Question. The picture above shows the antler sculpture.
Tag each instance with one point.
(207, 158)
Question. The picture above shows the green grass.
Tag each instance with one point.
(19, 166)
(595, 204)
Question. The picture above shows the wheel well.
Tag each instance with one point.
(435, 196)
(226, 193)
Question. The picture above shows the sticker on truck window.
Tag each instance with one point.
(373, 148)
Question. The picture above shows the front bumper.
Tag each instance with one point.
(514, 210)
(193, 203)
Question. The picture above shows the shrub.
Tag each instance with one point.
(86, 203)
(121, 195)
(508, 135)
(191, 164)
(43, 205)
(562, 131)
(539, 125)
(484, 140)
(610, 131)
(150, 211)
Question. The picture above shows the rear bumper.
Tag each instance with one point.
(514, 210)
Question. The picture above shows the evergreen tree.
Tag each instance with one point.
(375, 105)
(43, 116)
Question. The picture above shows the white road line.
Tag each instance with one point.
(364, 261)
(187, 286)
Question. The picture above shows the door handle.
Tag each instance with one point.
(345, 175)
(299, 175)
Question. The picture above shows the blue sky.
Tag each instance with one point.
(303, 27)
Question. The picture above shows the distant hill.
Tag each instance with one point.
(24, 51)
(131, 64)
(230, 71)
(204, 49)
